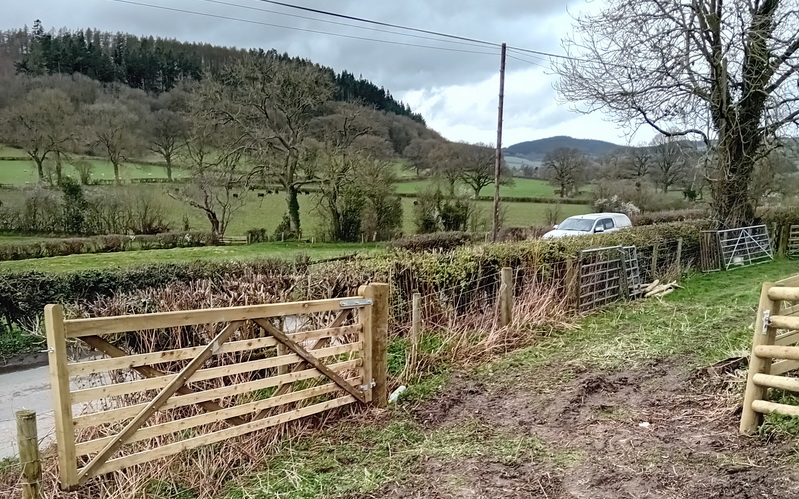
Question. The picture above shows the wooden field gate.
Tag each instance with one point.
(774, 353)
(260, 376)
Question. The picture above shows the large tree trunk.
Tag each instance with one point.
(40, 168)
(731, 204)
(168, 159)
(293, 205)
(58, 167)
(116, 172)
(215, 225)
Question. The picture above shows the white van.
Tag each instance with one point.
(593, 223)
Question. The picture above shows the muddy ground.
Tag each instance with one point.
(656, 431)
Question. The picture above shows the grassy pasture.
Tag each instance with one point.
(23, 172)
(287, 250)
(267, 211)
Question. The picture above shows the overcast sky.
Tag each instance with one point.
(455, 90)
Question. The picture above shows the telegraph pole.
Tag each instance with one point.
(498, 158)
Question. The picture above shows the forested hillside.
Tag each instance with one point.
(154, 64)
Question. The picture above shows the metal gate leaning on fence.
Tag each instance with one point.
(262, 376)
(740, 247)
(606, 275)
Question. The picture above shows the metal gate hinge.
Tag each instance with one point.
(371, 385)
(766, 321)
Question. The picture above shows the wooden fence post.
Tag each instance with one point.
(28, 440)
(573, 282)
(416, 332)
(678, 260)
(377, 322)
(763, 335)
(784, 237)
(654, 267)
(62, 404)
(506, 297)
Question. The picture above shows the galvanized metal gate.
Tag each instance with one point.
(745, 246)
(606, 275)
(793, 241)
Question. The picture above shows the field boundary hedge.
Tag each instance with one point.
(104, 244)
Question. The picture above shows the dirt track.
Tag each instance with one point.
(689, 448)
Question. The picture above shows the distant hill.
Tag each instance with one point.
(156, 64)
(535, 150)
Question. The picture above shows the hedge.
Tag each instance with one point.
(23, 295)
(104, 244)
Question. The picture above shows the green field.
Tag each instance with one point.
(267, 211)
(23, 172)
(11, 152)
(287, 250)
(521, 188)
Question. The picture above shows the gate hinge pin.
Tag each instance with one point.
(766, 321)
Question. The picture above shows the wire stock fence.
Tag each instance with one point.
(590, 279)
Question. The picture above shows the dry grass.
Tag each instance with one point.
(459, 325)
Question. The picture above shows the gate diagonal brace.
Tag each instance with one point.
(311, 359)
(180, 379)
(321, 343)
(107, 348)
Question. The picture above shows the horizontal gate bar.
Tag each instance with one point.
(765, 407)
(123, 413)
(167, 428)
(75, 328)
(218, 436)
(783, 293)
(126, 388)
(785, 322)
(780, 382)
(776, 352)
(147, 359)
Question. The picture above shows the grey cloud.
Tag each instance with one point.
(404, 70)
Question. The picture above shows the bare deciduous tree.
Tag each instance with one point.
(269, 104)
(167, 130)
(218, 178)
(476, 166)
(41, 124)
(725, 70)
(113, 127)
(669, 161)
(565, 168)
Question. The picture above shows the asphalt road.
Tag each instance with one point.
(25, 389)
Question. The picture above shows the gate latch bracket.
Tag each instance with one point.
(766, 321)
(371, 385)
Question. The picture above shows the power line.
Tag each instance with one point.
(526, 61)
(409, 28)
(380, 23)
(306, 30)
(297, 16)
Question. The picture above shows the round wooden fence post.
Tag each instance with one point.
(28, 440)
(506, 297)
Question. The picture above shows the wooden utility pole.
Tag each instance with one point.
(498, 158)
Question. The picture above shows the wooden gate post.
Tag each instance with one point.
(28, 440)
(506, 297)
(763, 335)
(678, 260)
(377, 323)
(62, 405)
